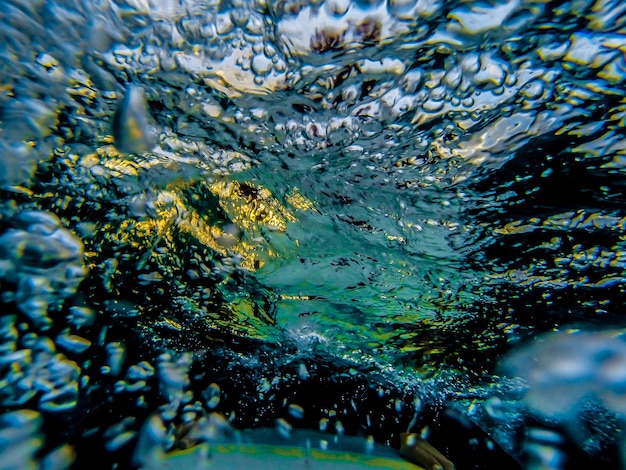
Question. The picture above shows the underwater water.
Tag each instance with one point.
(357, 217)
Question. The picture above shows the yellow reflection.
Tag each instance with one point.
(296, 200)
(250, 208)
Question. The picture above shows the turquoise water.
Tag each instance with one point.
(335, 214)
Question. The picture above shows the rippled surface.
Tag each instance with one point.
(209, 207)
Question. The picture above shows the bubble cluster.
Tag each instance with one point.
(563, 369)
(22, 443)
(43, 263)
(36, 371)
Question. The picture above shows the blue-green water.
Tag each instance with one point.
(331, 214)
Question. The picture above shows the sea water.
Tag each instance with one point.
(333, 215)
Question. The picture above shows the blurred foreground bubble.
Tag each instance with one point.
(21, 444)
(42, 262)
(131, 129)
(577, 381)
(563, 369)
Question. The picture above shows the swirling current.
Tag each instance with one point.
(361, 217)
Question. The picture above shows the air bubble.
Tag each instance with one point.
(173, 378)
(212, 395)
(411, 81)
(61, 399)
(323, 424)
(255, 25)
(73, 343)
(295, 411)
(116, 353)
(470, 63)
(337, 7)
(403, 9)
(438, 93)
(398, 405)
(81, 316)
(283, 428)
(315, 131)
(452, 78)
(339, 428)
(495, 408)
(223, 23)
(303, 372)
(432, 106)
(261, 65)
(532, 90)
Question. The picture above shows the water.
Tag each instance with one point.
(340, 215)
